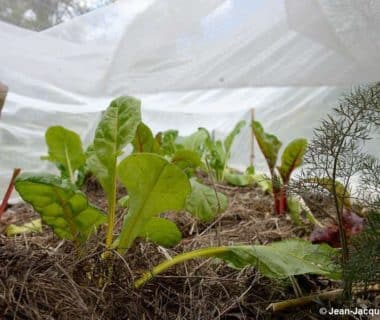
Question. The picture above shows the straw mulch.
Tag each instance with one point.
(42, 277)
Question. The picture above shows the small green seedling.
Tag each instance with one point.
(291, 158)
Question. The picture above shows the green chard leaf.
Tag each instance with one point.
(277, 260)
(115, 131)
(65, 150)
(218, 158)
(60, 205)
(268, 143)
(238, 179)
(194, 142)
(285, 258)
(144, 140)
(162, 232)
(187, 160)
(154, 186)
(203, 203)
(232, 135)
(292, 158)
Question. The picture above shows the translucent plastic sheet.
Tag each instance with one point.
(193, 63)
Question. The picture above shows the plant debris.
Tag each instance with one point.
(41, 276)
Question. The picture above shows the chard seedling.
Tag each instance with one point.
(144, 140)
(219, 152)
(115, 131)
(154, 186)
(203, 202)
(194, 142)
(291, 158)
(65, 150)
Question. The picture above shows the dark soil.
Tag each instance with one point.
(42, 277)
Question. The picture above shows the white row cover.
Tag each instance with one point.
(200, 63)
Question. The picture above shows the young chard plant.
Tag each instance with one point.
(219, 152)
(65, 150)
(203, 202)
(57, 199)
(115, 131)
(291, 158)
(154, 186)
(144, 141)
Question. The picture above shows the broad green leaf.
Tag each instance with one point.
(292, 158)
(144, 140)
(162, 232)
(34, 226)
(232, 135)
(238, 179)
(343, 195)
(65, 150)
(277, 260)
(116, 129)
(268, 143)
(194, 142)
(285, 258)
(154, 186)
(60, 205)
(203, 203)
(187, 160)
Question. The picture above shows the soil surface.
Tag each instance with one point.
(43, 277)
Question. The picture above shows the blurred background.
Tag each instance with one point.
(38, 15)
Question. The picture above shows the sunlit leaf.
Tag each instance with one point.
(154, 186)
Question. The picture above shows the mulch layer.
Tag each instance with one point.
(43, 277)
